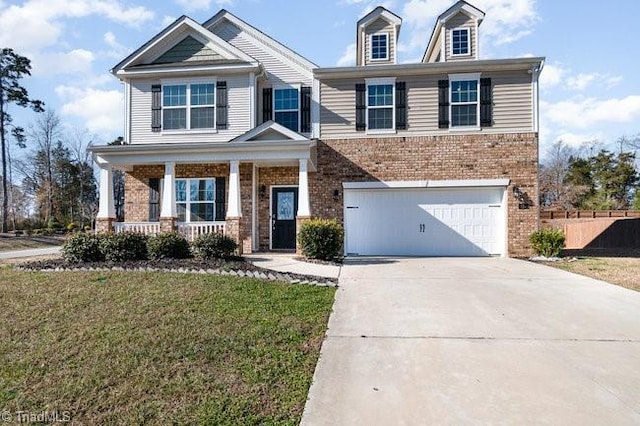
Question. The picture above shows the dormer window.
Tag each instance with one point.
(379, 47)
(460, 42)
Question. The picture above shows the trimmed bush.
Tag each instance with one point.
(547, 242)
(214, 245)
(124, 246)
(321, 239)
(169, 245)
(82, 248)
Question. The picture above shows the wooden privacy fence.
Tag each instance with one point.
(586, 214)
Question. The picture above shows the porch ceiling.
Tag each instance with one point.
(276, 152)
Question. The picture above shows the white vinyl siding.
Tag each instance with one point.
(380, 26)
(238, 111)
(512, 105)
(460, 21)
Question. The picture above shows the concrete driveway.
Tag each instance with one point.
(476, 341)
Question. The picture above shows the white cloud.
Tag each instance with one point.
(73, 62)
(100, 109)
(348, 58)
(37, 24)
(191, 5)
(556, 74)
(587, 112)
(167, 20)
(117, 50)
(552, 75)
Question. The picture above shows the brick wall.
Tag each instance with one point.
(497, 156)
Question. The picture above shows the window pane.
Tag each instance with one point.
(288, 119)
(379, 46)
(175, 118)
(380, 95)
(201, 212)
(464, 91)
(182, 212)
(460, 42)
(464, 115)
(286, 99)
(202, 94)
(181, 190)
(174, 95)
(381, 118)
(201, 189)
(202, 118)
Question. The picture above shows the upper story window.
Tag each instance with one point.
(460, 41)
(380, 105)
(286, 108)
(195, 200)
(464, 102)
(379, 47)
(188, 106)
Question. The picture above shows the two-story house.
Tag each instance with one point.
(228, 130)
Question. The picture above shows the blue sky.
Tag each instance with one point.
(589, 89)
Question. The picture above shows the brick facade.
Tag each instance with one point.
(491, 156)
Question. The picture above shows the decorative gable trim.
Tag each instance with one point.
(270, 126)
(379, 12)
(191, 28)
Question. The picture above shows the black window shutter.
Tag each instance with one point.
(156, 107)
(361, 107)
(401, 105)
(486, 103)
(267, 104)
(443, 104)
(154, 199)
(305, 109)
(221, 105)
(221, 205)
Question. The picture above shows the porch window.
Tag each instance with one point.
(188, 106)
(286, 108)
(195, 200)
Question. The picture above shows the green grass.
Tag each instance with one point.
(9, 243)
(158, 348)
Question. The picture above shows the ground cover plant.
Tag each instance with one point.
(158, 348)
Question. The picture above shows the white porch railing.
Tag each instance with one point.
(147, 228)
(191, 230)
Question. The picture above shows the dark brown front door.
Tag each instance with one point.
(284, 205)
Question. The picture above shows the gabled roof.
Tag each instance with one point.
(163, 42)
(460, 6)
(377, 13)
(261, 36)
(267, 129)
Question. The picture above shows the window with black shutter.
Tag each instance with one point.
(486, 103)
(221, 206)
(361, 107)
(221, 105)
(401, 105)
(156, 107)
(305, 109)
(443, 104)
(154, 199)
(267, 104)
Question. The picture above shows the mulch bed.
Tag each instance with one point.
(233, 266)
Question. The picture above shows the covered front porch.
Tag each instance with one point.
(254, 190)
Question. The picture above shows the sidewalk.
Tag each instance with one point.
(29, 253)
(285, 262)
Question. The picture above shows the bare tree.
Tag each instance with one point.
(555, 191)
(46, 134)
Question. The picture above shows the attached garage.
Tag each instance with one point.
(434, 218)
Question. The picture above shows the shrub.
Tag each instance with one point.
(168, 245)
(321, 239)
(547, 242)
(71, 226)
(214, 245)
(124, 246)
(82, 248)
(53, 224)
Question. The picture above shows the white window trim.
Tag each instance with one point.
(388, 38)
(464, 77)
(376, 82)
(188, 202)
(298, 87)
(188, 83)
(468, 31)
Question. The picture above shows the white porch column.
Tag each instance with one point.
(106, 209)
(168, 208)
(233, 204)
(303, 190)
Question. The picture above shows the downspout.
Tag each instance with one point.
(535, 74)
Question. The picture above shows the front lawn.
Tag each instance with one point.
(10, 242)
(622, 271)
(158, 348)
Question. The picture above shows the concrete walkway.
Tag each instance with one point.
(15, 254)
(286, 262)
(476, 341)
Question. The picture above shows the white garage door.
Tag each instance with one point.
(425, 222)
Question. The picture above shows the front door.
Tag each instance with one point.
(284, 205)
